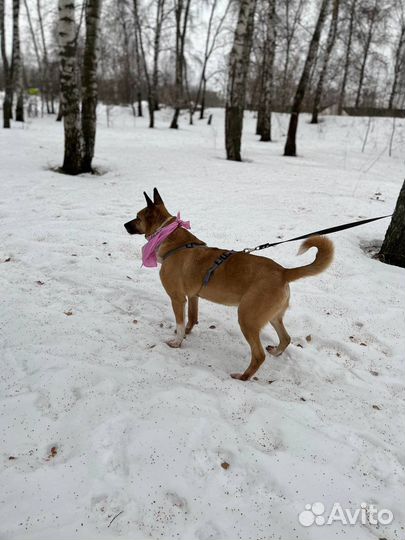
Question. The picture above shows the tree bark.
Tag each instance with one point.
(182, 11)
(7, 72)
(399, 61)
(89, 82)
(268, 64)
(290, 145)
(372, 18)
(154, 105)
(329, 46)
(393, 248)
(70, 98)
(347, 58)
(16, 64)
(236, 88)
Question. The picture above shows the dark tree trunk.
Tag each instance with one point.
(268, 61)
(370, 33)
(204, 89)
(7, 72)
(290, 145)
(393, 248)
(329, 46)
(347, 58)
(89, 82)
(237, 75)
(182, 14)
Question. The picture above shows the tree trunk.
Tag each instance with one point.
(45, 60)
(7, 72)
(347, 58)
(373, 14)
(89, 81)
(399, 60)
(329, 46)
(236, 88)
(182, 14)
(70, 99)
(203, 92)
(393, 248)
(16, 64)
(154, 102)
(290, 145)
(269, 54)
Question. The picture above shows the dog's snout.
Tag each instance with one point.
(131, 226)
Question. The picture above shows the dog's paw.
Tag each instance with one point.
(274, 351)
(239, 376)
(174, 343)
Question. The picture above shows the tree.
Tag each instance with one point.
(393, 248)
(7, 71)
(70, 95)
(290, 145)
(266, 94)
(347, 57)
(210, 42)
(329, 46)
(236, 88)
(399, 59)
(368, 14)
(182, 11)
(16, 64)
(89, 82)
(79, 124)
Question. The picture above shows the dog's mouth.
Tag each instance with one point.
(131, 227)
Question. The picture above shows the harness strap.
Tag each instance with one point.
(217, 263)
(189, 245)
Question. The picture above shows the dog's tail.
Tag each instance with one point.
(322, 260)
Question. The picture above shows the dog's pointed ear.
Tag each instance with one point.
(157, 199)
(149, 201)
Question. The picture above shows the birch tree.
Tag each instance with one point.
(329, 46)
(70, 96)
(237, 74)
(290, 145)
(16, 64)
(79, 123)
(266, 94)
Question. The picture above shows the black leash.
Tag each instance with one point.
(226, 254)
(330, 230)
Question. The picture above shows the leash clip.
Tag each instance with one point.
(248, 250)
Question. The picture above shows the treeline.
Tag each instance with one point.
(265, 55)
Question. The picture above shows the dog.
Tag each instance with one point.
(258, 286)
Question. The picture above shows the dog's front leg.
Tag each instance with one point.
(178, 304)
(192, 313)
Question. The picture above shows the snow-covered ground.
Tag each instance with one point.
(100, 419)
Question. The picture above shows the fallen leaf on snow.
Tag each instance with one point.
(225, 465)
(68, 313)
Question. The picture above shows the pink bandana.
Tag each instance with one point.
(149, 257)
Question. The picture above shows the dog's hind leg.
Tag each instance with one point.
(252, 315)
(192, 313)
(178, 304)
(285, 340)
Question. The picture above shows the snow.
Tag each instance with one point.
(141, 430)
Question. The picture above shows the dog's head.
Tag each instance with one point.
(149, 218)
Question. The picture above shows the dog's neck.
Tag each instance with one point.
(176, 239)
(159, 227)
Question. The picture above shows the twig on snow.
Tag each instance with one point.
(115, 517)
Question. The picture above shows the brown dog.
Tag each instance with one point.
(257, 285)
